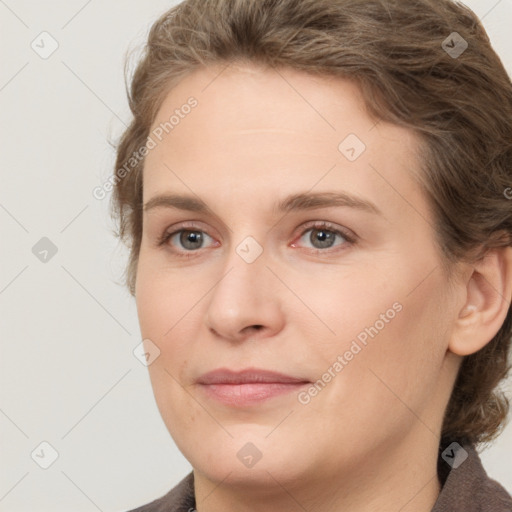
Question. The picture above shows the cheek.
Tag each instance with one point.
(348, 304)
(403, 361)
(167, 308)
(162, 314)
(164, 296)
(384, 322)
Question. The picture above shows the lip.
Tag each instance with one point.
(247, 375)
(249, 386)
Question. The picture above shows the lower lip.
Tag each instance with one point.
(250, 393)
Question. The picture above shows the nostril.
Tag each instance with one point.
(252, 329)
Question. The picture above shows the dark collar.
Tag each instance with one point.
(466, 485)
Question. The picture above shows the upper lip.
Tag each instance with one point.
(247, 375)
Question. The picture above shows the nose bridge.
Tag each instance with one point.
(244, 295)
(245, 274)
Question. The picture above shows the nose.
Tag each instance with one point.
(246, 302)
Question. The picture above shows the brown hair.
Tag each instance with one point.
(401, 54)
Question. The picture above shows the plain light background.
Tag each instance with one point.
(68, 329)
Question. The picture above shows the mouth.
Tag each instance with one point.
(248, 387)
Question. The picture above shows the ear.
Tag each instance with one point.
(488, 295)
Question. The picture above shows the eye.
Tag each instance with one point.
(186, 240)
(323, 235)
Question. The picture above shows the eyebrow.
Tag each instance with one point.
(294, 202)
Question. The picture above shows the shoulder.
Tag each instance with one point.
(179, 499)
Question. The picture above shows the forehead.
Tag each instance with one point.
(251, 100)
(261, 131)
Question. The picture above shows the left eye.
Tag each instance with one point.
(323, 238)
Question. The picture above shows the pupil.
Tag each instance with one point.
(191, 239)
(324, 237)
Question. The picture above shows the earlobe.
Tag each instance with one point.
(488, 297)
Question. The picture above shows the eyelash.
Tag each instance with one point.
(317, 225)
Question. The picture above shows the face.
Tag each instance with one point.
(312, 255)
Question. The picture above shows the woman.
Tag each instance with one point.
(315, 193)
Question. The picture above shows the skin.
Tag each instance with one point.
(368, 440)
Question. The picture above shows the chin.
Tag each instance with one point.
(250, 458)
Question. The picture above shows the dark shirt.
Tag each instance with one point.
(465, 488)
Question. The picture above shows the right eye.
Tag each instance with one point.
(184, 241)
